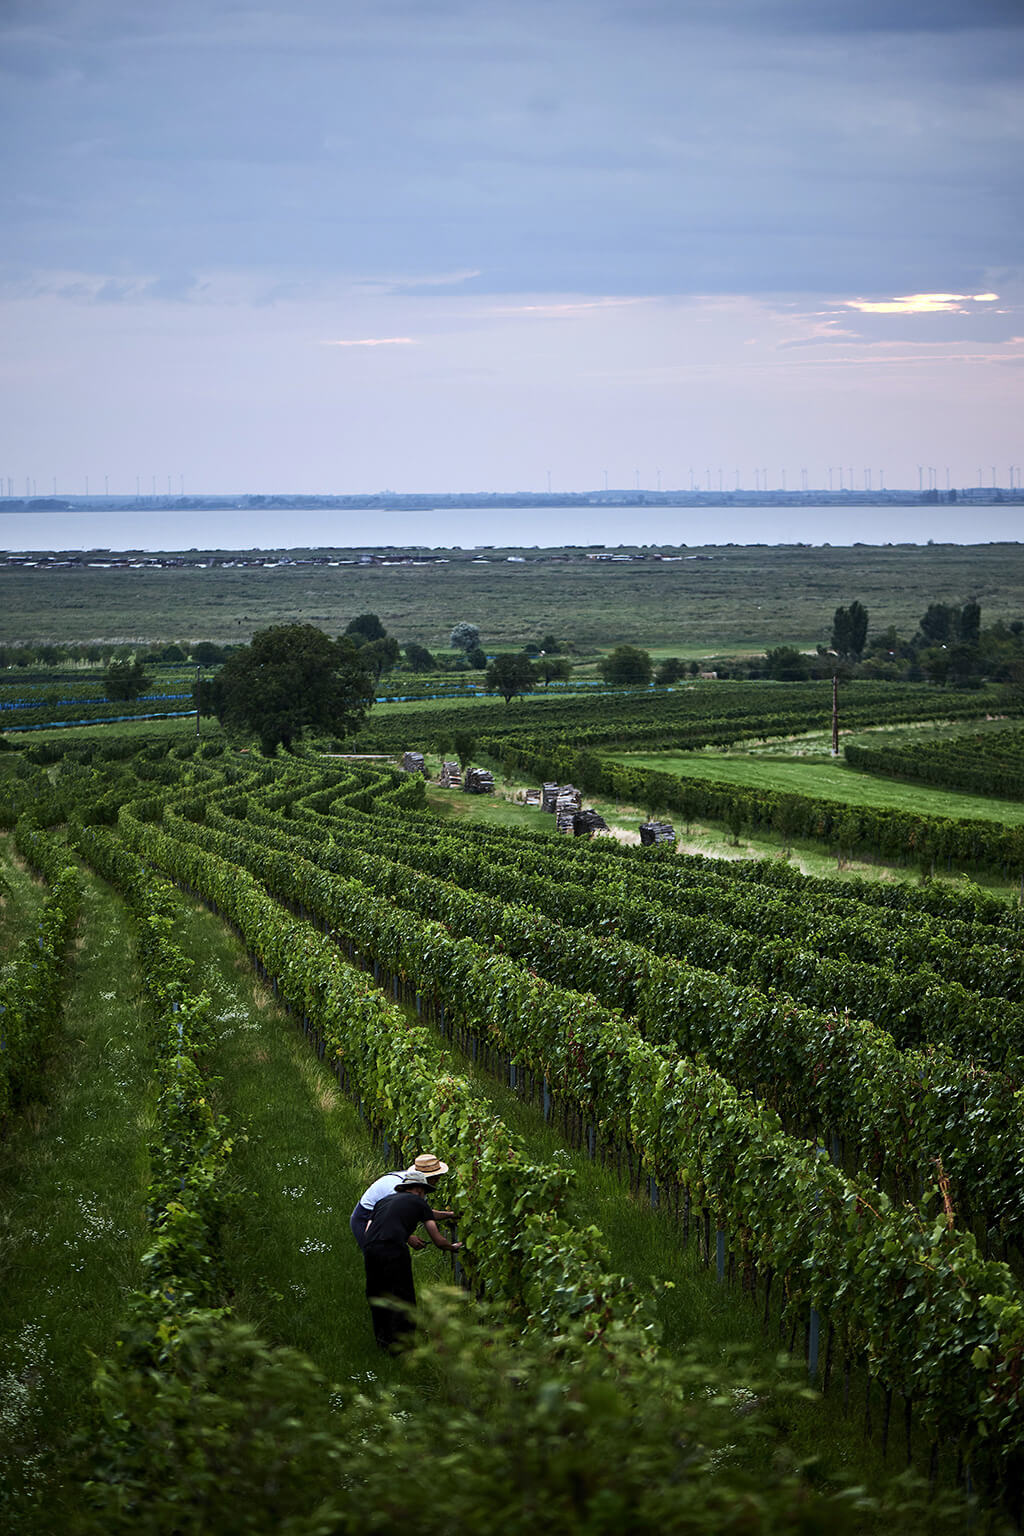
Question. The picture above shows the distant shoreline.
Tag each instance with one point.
(423, 501)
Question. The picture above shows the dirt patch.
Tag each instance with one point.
(623, 835)
(327, 1095)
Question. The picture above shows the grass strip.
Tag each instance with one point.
(21, 898)
(302, 1159)
(73, 1178)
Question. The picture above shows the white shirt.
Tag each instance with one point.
(381, 1187)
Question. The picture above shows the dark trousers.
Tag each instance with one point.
(389, 1276)
(358, 1222)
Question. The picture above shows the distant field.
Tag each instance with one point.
(739, 598)
(826, 780)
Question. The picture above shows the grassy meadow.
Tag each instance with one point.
(732, 598)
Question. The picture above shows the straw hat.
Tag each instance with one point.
(429, 1165)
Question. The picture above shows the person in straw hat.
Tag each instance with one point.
(388, 1261)
(426, 1163)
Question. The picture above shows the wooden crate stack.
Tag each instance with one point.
(549, 797)
(450, 776)
(479, 781)
(412, 762)
(657, 832)
(532, 797)
(586, 823)
(566, 808)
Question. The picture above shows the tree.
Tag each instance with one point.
(464, 637)
(939, 623)
(970, 623)
(626, 664)
(477, 658)
(510, 674)
(365, 627)
(464, 743)
(786, 665)
(290, 677)
(418, 658)
(850, 629)
(379, 656)
(550, 646)
(554, 669)
(670, 671)
(206, 654)
(125, 679)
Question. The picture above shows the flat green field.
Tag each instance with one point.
(826, 780)
(732, 598)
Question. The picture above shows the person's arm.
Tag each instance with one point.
(437, 1239)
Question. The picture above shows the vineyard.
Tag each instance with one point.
(64, 699)
(987, 763)
(811, 1089)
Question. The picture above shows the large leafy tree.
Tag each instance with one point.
(464, 636)
(626, 664)
(288, 678)
(125, 679)
(511, 673)
(418, 658)
(850, 629)
(364, 627)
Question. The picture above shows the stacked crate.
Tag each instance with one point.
(479, 781)
(412, 762)
(450, 776)
(586, 823)
(549, 797)
(566, 807)
(657, 832)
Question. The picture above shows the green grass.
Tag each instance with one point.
(826, 780)
(744, 598)
(73, 1178)
(296, 1271)
(180, 730)
(21, 896)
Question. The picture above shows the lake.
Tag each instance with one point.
(448, 527)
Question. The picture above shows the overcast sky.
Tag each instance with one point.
(465, 244)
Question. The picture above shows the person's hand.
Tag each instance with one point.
(454, 1246)
(416, 1242)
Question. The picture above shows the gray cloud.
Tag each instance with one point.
(759, 146)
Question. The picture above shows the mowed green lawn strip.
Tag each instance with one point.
(21, 897)
(73, 1179)
(296, 1272)
(830, 780)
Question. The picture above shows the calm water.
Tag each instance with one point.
(446, 528)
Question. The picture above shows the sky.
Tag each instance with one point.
(456, 245)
